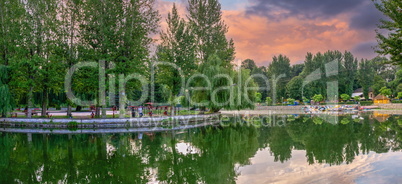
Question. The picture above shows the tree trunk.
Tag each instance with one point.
(103, 112)
(44, 102)
(97, 111)
(69, 114)
(30, 98)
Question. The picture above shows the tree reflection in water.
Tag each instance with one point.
(210, 155)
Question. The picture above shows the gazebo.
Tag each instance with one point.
(381, 99)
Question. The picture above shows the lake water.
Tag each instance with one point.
(362, 148)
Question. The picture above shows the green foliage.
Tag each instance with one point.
(385, 91)
(205, 19)
(379, 83)
(306, 100)
(279, 72)
(183, 101)
(356, 98)
(6, 101)
(318, 98)
(365, 76)
(224, 92)
(399, 95)
(248, 64)
(390, 44)
(258, 97)
(294, 87)
(291, 101)
(345, 97)
(177, 47)
(268, 101)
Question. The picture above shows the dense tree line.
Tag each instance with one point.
(315, 75)
(41, 40)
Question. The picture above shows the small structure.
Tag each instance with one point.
(381, 99)
(359, 92)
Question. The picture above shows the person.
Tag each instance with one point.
(140, 111)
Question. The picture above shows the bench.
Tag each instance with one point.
(34, 111)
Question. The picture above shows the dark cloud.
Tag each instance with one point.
(365, 50)
(366, 17)
(310, 9)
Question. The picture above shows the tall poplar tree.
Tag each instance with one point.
(177, 47)
(119, 32)
(365, 76)
(205, 17)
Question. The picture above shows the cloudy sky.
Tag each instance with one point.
(264, 28)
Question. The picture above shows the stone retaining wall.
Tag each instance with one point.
(390, 106)
(108, 123)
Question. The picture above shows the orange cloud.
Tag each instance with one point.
(260, 39)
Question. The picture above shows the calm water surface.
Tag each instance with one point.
(282, 149)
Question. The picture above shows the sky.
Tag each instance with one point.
(262, 29)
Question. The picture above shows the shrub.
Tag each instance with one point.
(345, 97)
(268, 100)
(318, 98)
(291, 101)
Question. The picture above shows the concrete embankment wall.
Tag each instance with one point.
(390, 106)
(109, 123)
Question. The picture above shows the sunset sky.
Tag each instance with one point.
(264, 28)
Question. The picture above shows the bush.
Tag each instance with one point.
(318, 98)
(356, 98)
(268, 100)
(366, 103)
(258, 97)
(345, 97)
(291, 101)
(399, 95)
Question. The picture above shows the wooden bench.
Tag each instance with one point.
(34, 111)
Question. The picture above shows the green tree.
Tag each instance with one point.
(318, 98)
(345, 97)
(222, 91)
(348, 72)
(356, 98)
(177, 47)
(399, 95)
(296, 69)
(290, 101)
(396, 84)
(390, 44)
(248, 64)
(385, 91)
(6, 101)
(294, 88)
(279, 72)
(365, 76)
(205, 18)
(268, 101)
(379, 82)
(258, 97)
(118, 32)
